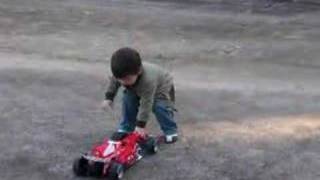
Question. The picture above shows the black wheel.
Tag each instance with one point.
(80, 167)
(151, 145)
(116, 171)
(95, 169)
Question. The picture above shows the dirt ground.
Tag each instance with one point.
(247, 76)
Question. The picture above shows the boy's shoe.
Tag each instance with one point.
(170, 139)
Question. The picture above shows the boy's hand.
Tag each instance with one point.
(107, 105)
(141, 131)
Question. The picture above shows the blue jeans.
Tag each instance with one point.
(163, 111)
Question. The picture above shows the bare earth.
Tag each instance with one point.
(247, 76)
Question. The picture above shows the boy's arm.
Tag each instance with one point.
(112, 89)
(146, 104)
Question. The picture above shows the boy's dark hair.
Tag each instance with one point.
(125, 61)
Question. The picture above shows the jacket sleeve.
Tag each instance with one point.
(146, 104)
(112, 89)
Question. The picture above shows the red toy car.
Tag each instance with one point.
(111, 158)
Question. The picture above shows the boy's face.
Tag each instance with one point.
(128, 80)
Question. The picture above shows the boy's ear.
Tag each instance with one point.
(140, 71)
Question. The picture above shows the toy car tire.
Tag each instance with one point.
(151, 145)
(95, 169)
(80, 167)
(116, 171)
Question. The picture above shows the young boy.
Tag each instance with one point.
(148, 88)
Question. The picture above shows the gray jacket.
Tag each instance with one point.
(153, 84)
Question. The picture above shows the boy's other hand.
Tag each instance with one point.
(107, 105)
(140, 130)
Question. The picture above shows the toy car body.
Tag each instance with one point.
(112, 157)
